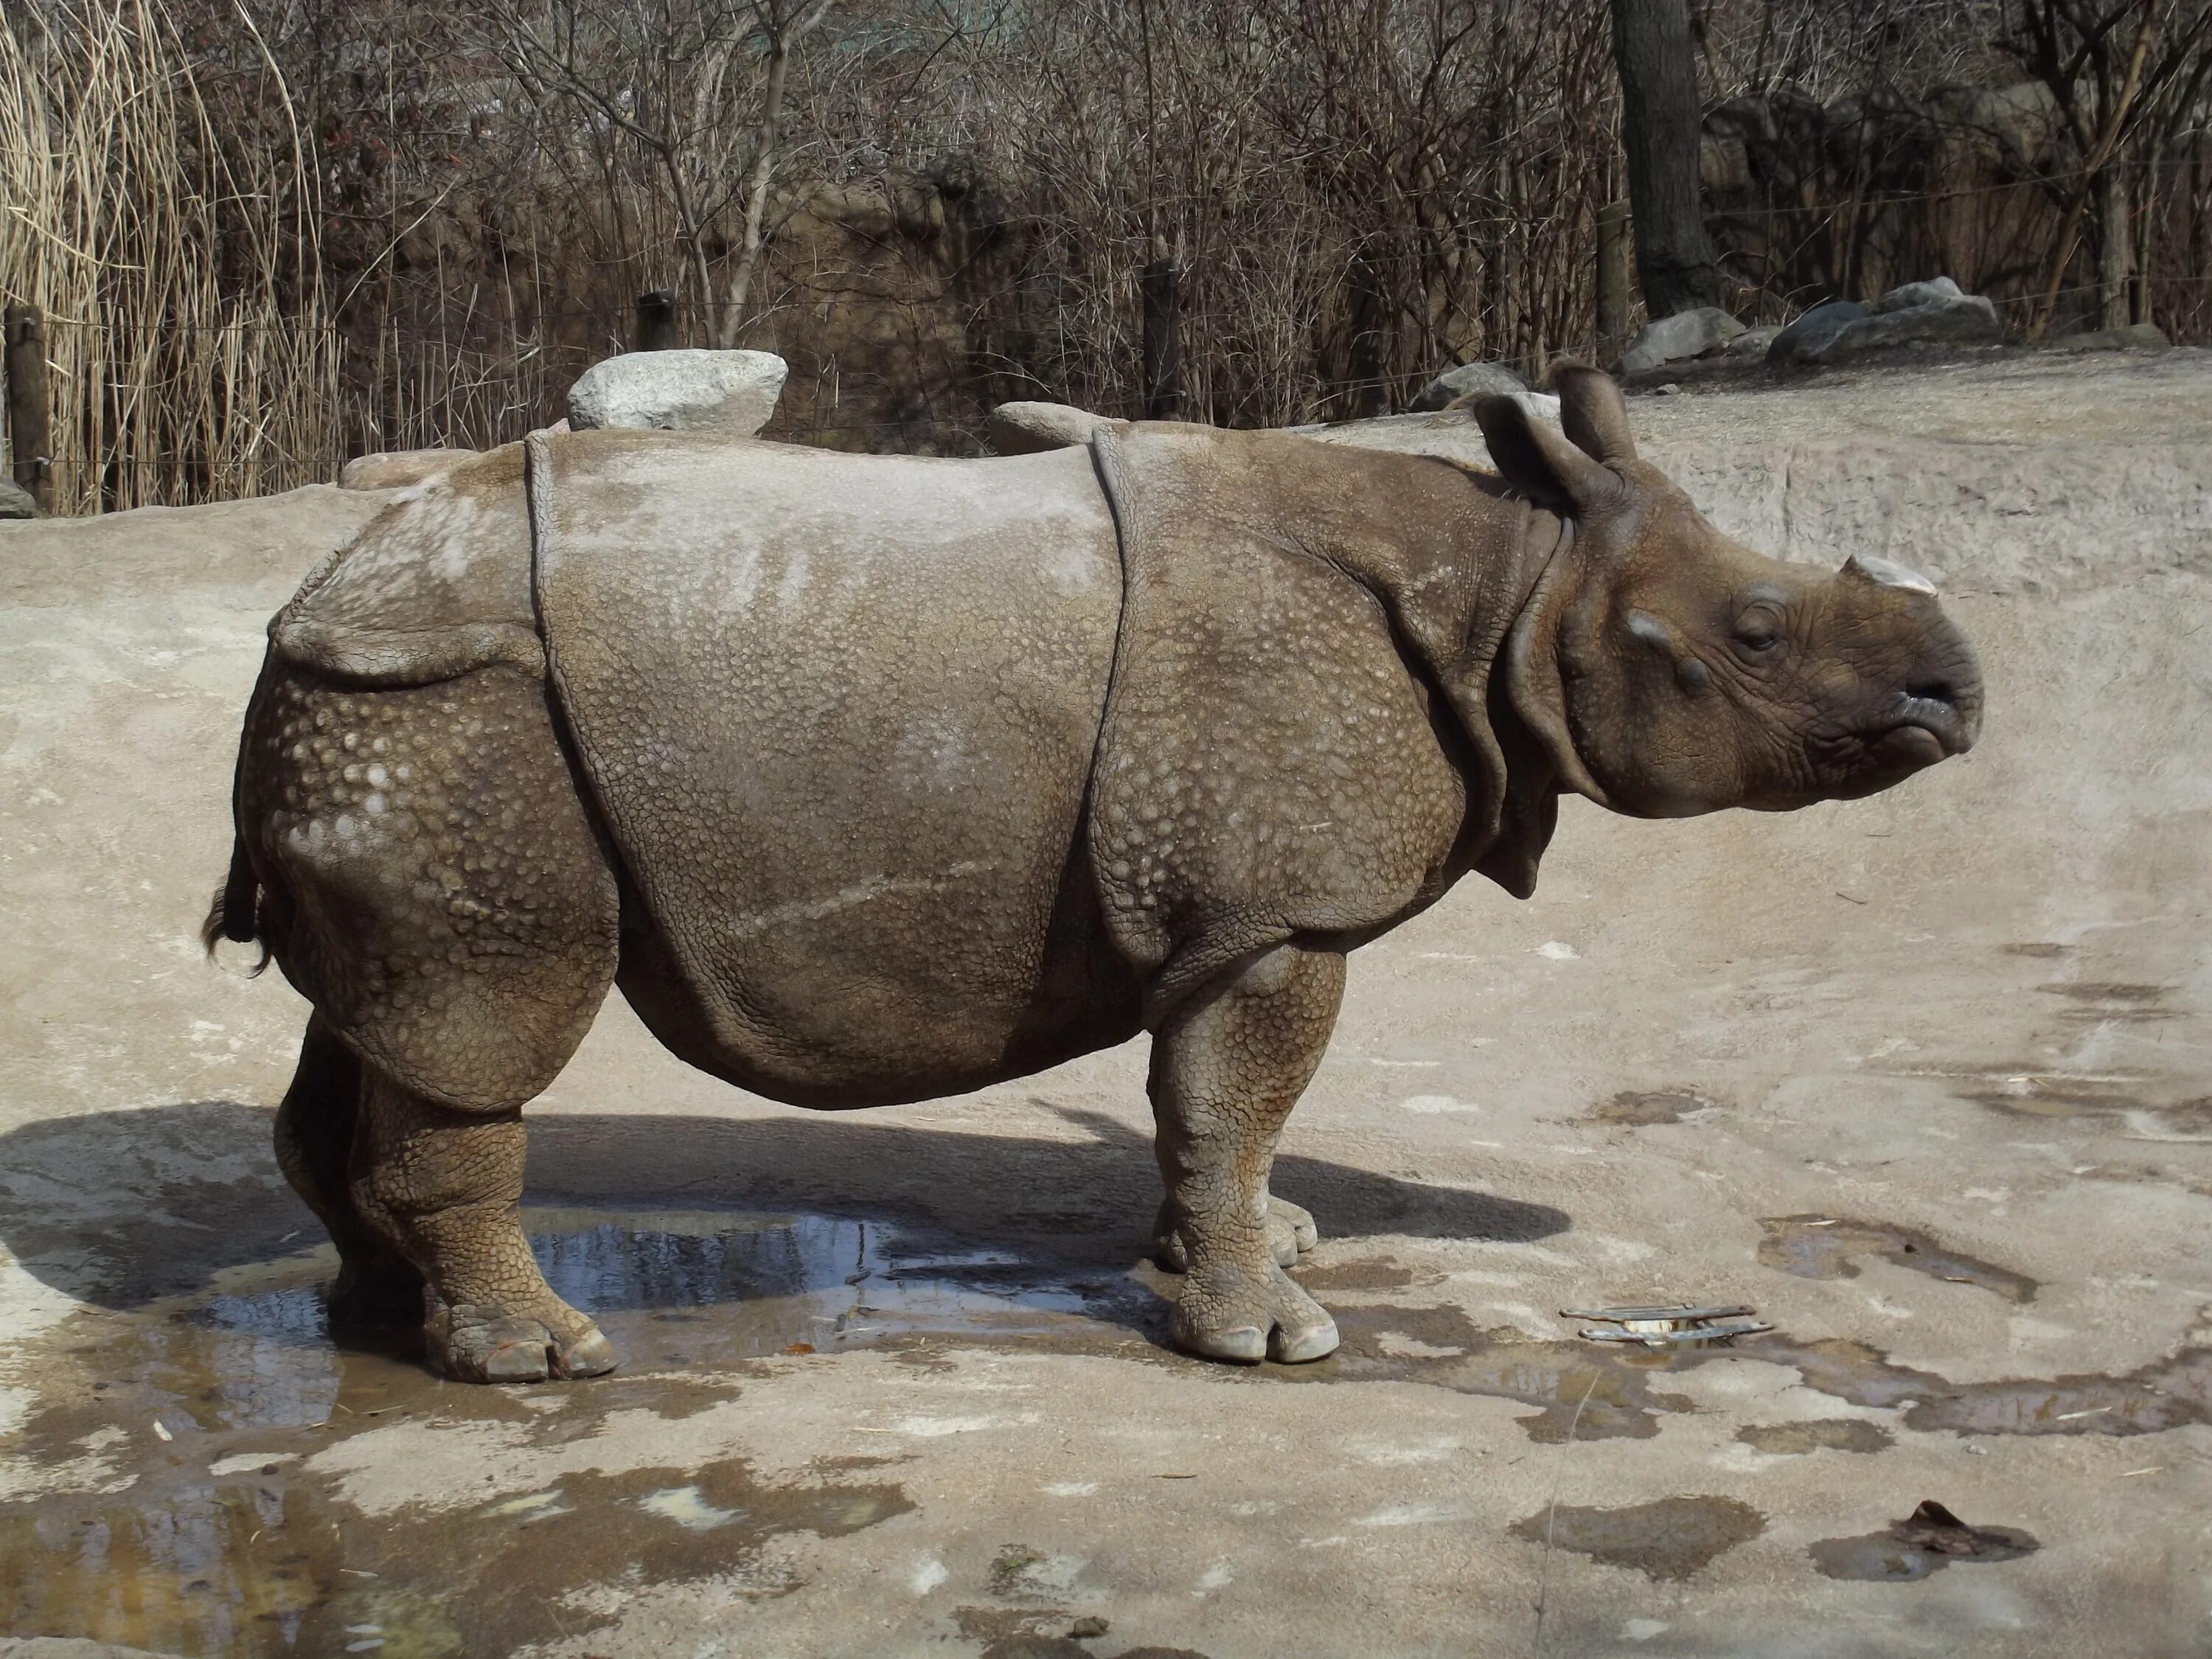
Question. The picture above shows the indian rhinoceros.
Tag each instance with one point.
(874, 779)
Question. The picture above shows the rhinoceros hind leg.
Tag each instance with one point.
(377, 1287)
(445, 1187)
(1226, 1070)
(1291, 1234)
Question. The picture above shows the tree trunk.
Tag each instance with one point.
(1659, 130)
(2113, 261)
(1611, 279)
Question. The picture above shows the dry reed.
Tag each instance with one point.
(190, 354)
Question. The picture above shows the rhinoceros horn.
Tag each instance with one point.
(1869, 568)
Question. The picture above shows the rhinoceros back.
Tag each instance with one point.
(436, 585)
(838, 715)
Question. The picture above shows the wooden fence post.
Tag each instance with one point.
(29, 428)
(1159, 287)
(656, 321)
(1612, 298)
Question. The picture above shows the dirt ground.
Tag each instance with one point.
(1925, 1079)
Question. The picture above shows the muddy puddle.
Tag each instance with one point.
(182, 1429)
(1921, 1544)
(1827, 1246)
(1669, 1539)
(1587, 1391)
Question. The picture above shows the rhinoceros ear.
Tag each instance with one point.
(1539, 463)
(1594, 413)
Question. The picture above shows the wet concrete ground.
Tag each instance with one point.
(1922, 1079)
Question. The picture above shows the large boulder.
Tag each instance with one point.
(732, 392)
(1673, 339)
(1754, 342)
(1969, 319)
(1815, 330)
(395, 469)
(1907, 295)
(1468, 381)
(15, 501)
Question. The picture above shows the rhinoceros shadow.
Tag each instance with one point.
(119, 1208)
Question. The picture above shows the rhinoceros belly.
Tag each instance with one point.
(838, 715)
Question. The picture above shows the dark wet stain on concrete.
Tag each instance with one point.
(2100, 1000)
(1824, 1247)
(1362, 1275)
(243, 1377)
(1638, 1108)
(1669, 1539)
(1924, 1542)
(2028, 1092)
(1598, 1394)
(1847, 1434)
(1048, 1633)
(1593, 1392)
(2164, 1394)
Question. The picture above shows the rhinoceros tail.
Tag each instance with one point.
(236, 914)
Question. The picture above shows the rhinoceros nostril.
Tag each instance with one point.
(1940, 690)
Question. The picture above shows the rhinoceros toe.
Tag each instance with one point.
(1241, 1318)
(484, 1343)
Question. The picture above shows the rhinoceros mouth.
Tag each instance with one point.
(1921, 722)
(1913, 732)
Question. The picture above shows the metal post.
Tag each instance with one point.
(29, 431)
(656, 321)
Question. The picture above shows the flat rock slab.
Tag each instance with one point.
(1969, 1014)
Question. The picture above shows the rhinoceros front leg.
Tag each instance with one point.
(1291, 1234)
(445, 1188)
(1226, 1070)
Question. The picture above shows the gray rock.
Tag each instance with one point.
(1754, 342)
(1904, 298)
(394, 469)
(2136, 337)
(1468, 379)
(1543, 404)
(1027, 429)
(15, 501)
(1814, 330)
(1970, 319)
(732, 392)
(1684, 334)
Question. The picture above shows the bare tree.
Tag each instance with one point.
(675, 78)
(1659, 129)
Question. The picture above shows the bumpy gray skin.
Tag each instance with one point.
(877, 779)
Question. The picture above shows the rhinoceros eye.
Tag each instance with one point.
(1759, 630)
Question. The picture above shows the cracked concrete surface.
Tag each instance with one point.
(1924, 1079)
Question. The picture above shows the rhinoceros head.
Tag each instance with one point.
(1669, 670)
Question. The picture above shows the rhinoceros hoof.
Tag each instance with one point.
(1291, 1234)
(1243, 1319)
(486, 1344)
